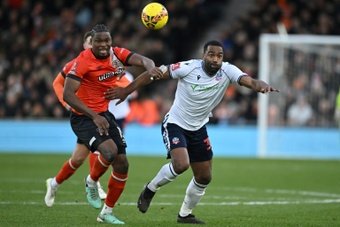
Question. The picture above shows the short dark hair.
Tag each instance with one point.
(211, 43)
(99, 28)
(87, 34)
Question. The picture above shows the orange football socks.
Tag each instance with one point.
(116, 186)
(92, 159)
(99, 168)
(66, 171)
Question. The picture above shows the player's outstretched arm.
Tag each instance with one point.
(256, 85)
(147, 63)
(142, 80)
(121, 93)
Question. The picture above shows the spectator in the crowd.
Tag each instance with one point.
(300, 113)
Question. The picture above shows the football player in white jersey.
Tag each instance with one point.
(201, 86)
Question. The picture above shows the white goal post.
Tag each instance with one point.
(302, 67)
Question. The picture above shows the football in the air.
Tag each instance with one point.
(154, 16)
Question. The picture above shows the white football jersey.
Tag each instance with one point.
(198, 93)
(121, 110)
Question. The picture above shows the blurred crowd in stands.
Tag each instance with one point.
(312, 82)
(39, 37)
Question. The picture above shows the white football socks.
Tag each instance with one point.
(54, 183)
(194, 193)
(106, 209)
(90, 182)
(165, 175)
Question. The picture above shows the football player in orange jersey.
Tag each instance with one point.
(94, 71)
(81, 151)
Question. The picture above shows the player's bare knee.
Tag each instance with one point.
(109, 156)
(125, 166)
(121, 165)
(180, 167)
(204, 179)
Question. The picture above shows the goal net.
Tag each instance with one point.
(300, 120)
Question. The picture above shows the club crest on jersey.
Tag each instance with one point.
(118, 65)
(74, 68)
(175, 66)
(218, 76)
(175, 140)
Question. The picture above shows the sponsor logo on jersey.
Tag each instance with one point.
(108, 75)
(197, 87)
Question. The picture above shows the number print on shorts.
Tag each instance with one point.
(207, 143)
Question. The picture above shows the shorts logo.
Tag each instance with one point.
(175, 140)
(207, 143)
(92, 140)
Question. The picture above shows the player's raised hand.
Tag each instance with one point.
(155, 73)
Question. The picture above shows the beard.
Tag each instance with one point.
(212, 69)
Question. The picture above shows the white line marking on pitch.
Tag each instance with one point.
(250, 203)
(269, 191)
(305, 193)
(283, 191)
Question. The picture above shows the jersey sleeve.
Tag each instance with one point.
(233, 72)
(180, 69)
(79, 68)
(58, 87)
(67, 68)
(122, 54)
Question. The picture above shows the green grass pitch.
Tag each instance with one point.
(243, 192)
